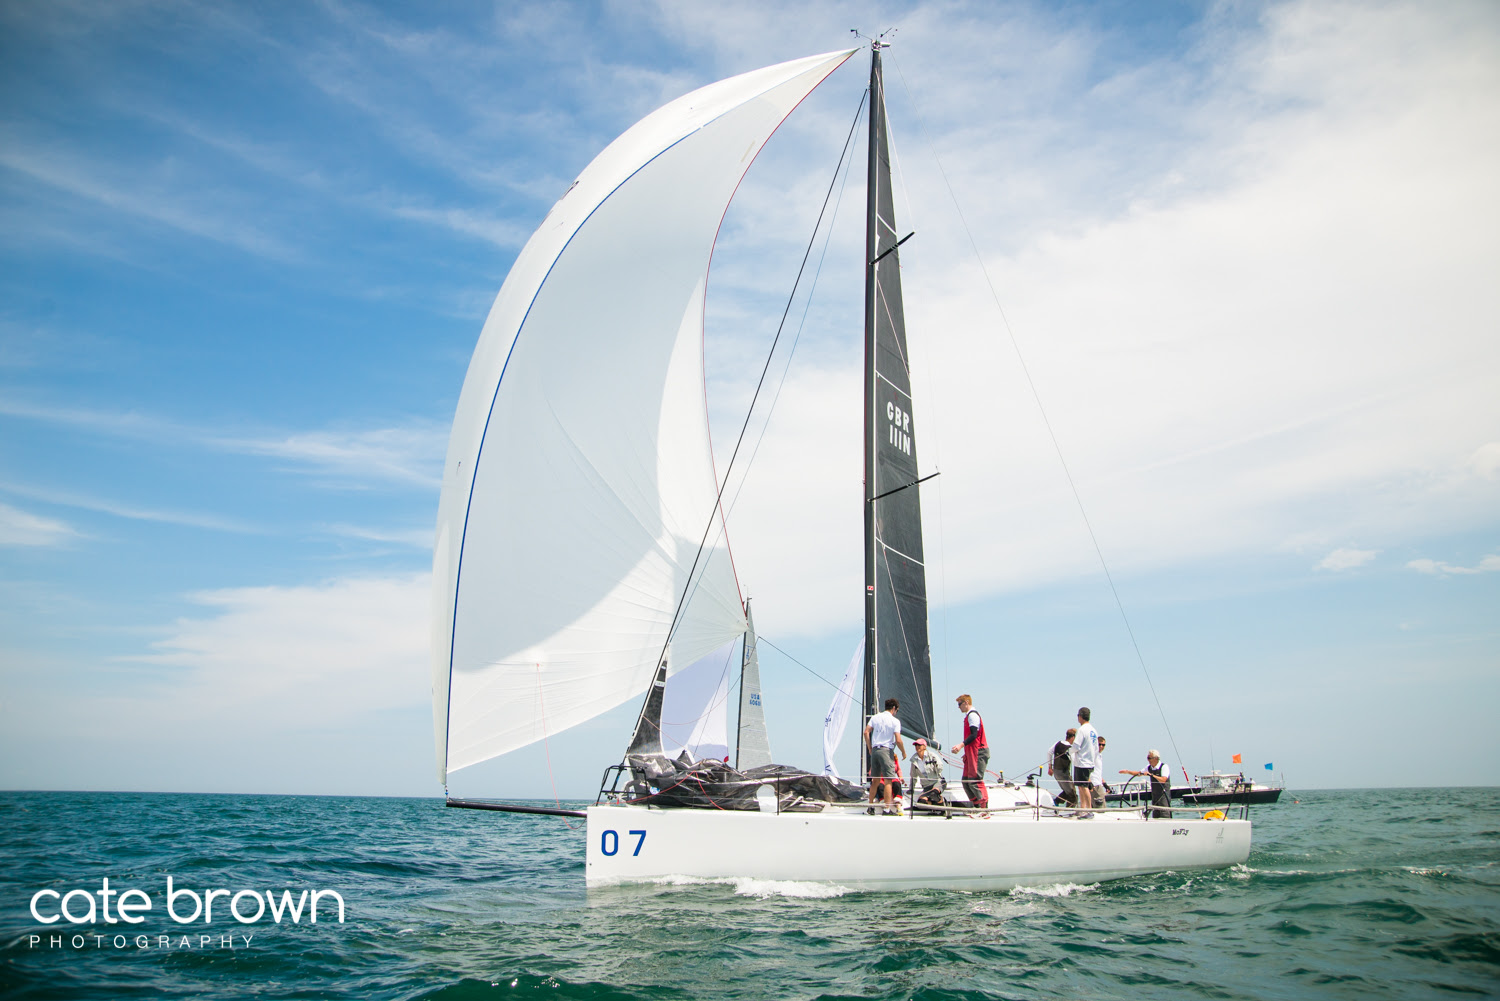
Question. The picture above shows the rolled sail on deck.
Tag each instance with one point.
(579, 478)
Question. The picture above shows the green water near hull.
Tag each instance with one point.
(1391, 893)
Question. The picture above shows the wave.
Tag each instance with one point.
(748, 886)
(1054, 890)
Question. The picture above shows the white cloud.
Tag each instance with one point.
(87, 503)
(1438, 567)
(18, 528)
(1347, 559)
(315, 688)
(411, 453)
(1486, 460)
(1292, 339)
(280, 657)
(418, 538)
(149, 193)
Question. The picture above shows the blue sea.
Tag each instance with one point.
(1347, 894)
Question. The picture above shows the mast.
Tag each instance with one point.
(897, 659)
(872, 239)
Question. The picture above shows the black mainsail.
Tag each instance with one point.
(897, 660)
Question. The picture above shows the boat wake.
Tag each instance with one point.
(1054, 890)
(747, 886)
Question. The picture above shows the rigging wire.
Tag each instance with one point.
(794, 660)
(933, 406)
(717, 512)
(1037, 398)
(806, 306)
(792, 351)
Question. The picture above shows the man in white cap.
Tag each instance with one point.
(926, 774)
(1159, 774)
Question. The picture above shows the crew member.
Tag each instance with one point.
(882, 741)
(1100, 787)
(1159, 775)
(1085, 760)
(976, 752)
(1061, 768)
(926, 774)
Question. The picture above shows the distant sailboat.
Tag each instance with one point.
(582, 556)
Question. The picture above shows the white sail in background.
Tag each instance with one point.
(579, 478)
(837, 720)
(695, 707)
(753, 744)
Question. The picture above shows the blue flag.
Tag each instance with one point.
(1268, 766)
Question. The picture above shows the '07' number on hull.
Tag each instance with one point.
(609, 842)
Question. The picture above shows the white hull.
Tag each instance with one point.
(861, 852)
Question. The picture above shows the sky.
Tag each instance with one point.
(1229, 269)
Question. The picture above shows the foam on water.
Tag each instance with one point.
(1055, 890)
(746, 886)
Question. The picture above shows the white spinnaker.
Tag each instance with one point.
(695, 707)
(837, 720)
(579, 477)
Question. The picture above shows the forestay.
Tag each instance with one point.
(579, 480)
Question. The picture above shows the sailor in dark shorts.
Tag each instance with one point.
(1085, 760)
(1061, 768)
(882, 742)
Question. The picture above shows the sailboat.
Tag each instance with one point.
(582, 556)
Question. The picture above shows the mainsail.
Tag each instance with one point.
(897, 661)
(575, 495)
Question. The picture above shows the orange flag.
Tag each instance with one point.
(1237, 760)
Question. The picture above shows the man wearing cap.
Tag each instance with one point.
(1159, 774)
(882, 741)
(926, 774)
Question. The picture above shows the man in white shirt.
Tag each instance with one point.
(882, 741)
(1159, 774)
(1085, 761)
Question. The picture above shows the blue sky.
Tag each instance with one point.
(1246, 253)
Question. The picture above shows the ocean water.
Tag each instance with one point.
(1347, 894)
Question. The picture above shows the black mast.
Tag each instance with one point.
(897, 659)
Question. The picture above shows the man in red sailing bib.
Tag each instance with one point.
(976, 752)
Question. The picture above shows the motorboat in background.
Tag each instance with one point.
(1221, 787)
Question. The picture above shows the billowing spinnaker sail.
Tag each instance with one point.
(579, 478)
